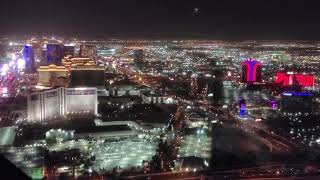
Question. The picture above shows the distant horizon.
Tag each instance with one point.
(203, 19)
(155, 37)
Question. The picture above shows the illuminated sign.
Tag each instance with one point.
(301, 94)
(287, 79)
(81, 92)
(305, 80)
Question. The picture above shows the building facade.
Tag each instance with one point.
(28, 56)
(54, 54)
(46, 74)
(251, 71)
(290, 78)
(61, 102)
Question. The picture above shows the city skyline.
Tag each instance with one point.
(160, 89)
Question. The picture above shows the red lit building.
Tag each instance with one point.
(251, 71)
(287, 79)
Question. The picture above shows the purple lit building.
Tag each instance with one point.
(251, 71)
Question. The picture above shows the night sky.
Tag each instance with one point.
(214, 19)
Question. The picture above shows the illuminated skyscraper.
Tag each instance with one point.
(251, 71)
(54, 54)
(290, 78)
(88, 51)
(138, 57)
(68, 50)
(242, 108)
(28, 56)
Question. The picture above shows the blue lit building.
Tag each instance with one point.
(242, 108)
(28, 56)
(54, 54)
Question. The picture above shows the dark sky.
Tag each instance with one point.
(216, 19)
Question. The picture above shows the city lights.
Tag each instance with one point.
(159, 108)
(4, 69)
(21, 63)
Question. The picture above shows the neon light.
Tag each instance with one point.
(273, 104)
(4, 69)
(21, 63)
(252, 66)
(81, 88)
(243, 108)
(290, 80)
(13, 56)
(287, 94)
(305, 80)
(280, 77)
(301, 94)
(287, 79)
(251, 69)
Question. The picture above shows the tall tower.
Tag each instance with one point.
(242, 108)
(89, 51)
(28, 56)
(69, 50)
(138, 57)
(194, 87)
(251, 71)
(54, 54)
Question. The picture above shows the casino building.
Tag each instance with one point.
(61, 102)
(47, 73)
(251, 71)
(291, 78)
(28, 56)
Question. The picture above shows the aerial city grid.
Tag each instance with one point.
(126, 108)
(187, 92)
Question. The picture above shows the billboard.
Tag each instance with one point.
(28, 56)
(54, 54)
